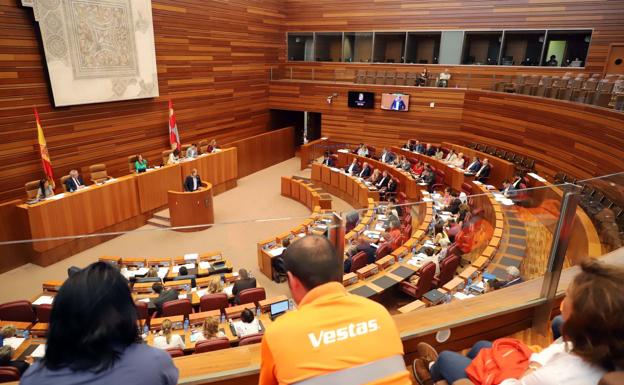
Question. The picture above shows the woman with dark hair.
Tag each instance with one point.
(45, 190)
(247, 325)
(93, 336)
(591, 344)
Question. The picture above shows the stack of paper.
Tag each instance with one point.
(201, 293)
(146, 300)
(191, 257)
(44, 300)
(277, 251)
(162, 272)
(204, 265)
(13, 342)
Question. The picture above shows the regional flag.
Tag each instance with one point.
(174, 136)
(43, 151)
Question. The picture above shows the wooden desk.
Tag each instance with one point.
(501, 168)
(191, 208)
(153, 186)
(311, 150)
(219, 169)
(453, 176)
(412, 306)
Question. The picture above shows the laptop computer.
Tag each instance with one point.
(278, 308)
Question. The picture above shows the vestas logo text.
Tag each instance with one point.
(327, 337)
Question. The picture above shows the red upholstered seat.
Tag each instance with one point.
(216, 301)
(9, 373)
(212, 345)
(424, 284)
(250, 339)
(383, 250)
(43, 312)
(253, 295)
(175, 352)
(19, 311)
(142, 311)
(448, 266)
(177, 307)
(358, 261)
(439, 180)
(467, 188)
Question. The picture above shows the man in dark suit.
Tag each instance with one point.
(386, 156)
(353, 168)
(428, 177)
(192, 182)
(453, 207)
(365, 172)
(328, 160)
(383, 180)
(429, 150)
(183, 274)
(164, 295)
(473, 167)
(389, 190)
(243, 282)
(419, 148)
(484, 172)
(74, 182)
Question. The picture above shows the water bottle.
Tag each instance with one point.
(25, 334)
(187, 288)
(145, 329)
(222, 318)
(186, 325)
(258, 311)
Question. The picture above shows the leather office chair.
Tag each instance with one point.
(407, 232)
(212, 345)
(142, 311)
(202, 146)
(424, 283)
(253, 295)
(439, 180)
(467, 188)
(383, 250)
(98, 173)
(177, 307)
(448, 266)
(250, 339)
(131, 160)
(19, 311)
(31, 188)
(63, 180)
(165, 156)
(8, 374)
(216, 301)
(358, 261)
(43, 312)
(175, 352)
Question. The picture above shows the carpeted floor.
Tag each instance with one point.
(237, 230)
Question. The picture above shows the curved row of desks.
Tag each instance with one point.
(303, 192)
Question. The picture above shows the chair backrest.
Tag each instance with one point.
(63, 180)
(358, 261)
(19, 311)
(383, 250)
(142, 310)
(216, 301)
(447, 269)
(175, 352)
(407, 232)
(9, 373)
(31, 189)
(426, 279)
(250, 339)
(43, 312)
(131, 160)
(98, 172)
(439, 176)
(467, 188)
(165, 156)
(177, 307)
(254, 295)
(212, 345)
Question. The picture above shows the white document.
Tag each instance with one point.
(201, 293)
(277, 251)
(228, 290)
(343, 151)
(181, 296)
(534, 175)
(13, 342)
(204, 265)
(44, 300)
(141, 271)
(191, 257)
(57, 196)
(460, 295)
(380, 227)
(146, 300)
(162, 272)
(176, 269)
(39, 352)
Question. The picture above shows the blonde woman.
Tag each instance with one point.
(168, 340)
(376, 174)
(210, 330)
(215, 286)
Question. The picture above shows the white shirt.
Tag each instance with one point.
(384, 156)
(458, 162)
(350, 170)
(363, 151)
(175, 342)
(172, 159)
(244, 329)
(200, 336)
(194, 183)
(559, 367)
(450, 158)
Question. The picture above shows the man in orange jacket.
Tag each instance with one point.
(333, 337)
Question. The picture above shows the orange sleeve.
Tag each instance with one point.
(267, 365)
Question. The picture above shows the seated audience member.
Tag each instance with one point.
(362, 150)
(484, 172)
(353, 168)
(383, 180)
(140, 165)
(243, 282)
(464, 210)
(409, 146)
(210, 330)
(174, 157)
(93, 337)
(428, 256)
(166, 339)
(365, 171)
(393, 234)
(184, 274)
(405, 164)
(74, 182)
(352, 219)
(151, 276)
(363, 245)
(164, 295)
(552, 61)
(590, 344)
(453, 207)
(418, 168)
(428, 177)
(459, 161)
(215, 286)
(389, 190)
(429, 150)
(292, 343)
(444, 78)
(5, 360)
(247, 325)
(447, 197)
(328, 160)
(451, 157)
(439, 233)
(442, 253)
(386, 156)
(45, 190)
(421, 80)
(393, 209)
(191, 152)
(473, 167)
(419, 148)
(192, 182)
(212, 147)
(453, 228)
(512, 278)
(374, 176)
(439, 154)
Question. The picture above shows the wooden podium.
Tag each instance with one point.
(191, 208)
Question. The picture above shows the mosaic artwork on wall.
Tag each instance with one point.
(98, 50)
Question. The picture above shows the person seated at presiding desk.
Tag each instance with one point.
(164, 295)
(192, 182)
(212, 147)
(151, 276)
(209, 330)
(332, 333)
(353, 168)
(98, 343)
(484, 172)
(5, 360)
(405, 164)
(174, 157)
(191, 152)
(386, 156)
(166, 339)
(140, 165)
(419, 148)
(365, 171)
(459, 161)
(590, 344)
(328, 160)
(74, 182)
(444, 78)
(362, 150)
(473, 167)
(243, 282)
(247, 325)
(45, 190)
(184, 274)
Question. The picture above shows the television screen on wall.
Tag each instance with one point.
(395, 102)
(359, 99)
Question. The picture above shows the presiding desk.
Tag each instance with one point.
(191, 208)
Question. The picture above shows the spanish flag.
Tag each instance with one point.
(174, 136)
(43, 151)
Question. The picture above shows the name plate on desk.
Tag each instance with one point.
(367, 271)
(385, 262)
(349, 279)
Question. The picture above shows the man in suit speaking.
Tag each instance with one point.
(398, 104)
(192, 182)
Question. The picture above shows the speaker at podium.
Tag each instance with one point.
(191, 208)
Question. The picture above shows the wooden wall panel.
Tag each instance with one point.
(605, 17)
(264, 150)
(213, 60)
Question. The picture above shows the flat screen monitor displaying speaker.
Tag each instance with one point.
(359, 99)
(395, 102)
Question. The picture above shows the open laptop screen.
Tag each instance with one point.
(279, 307)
